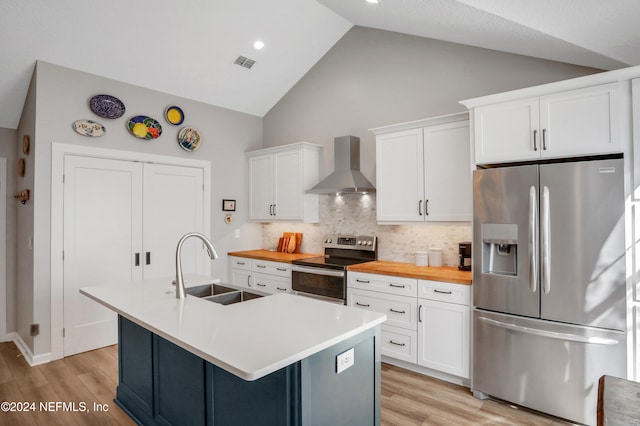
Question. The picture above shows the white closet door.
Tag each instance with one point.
(102, 234)
(173, 206)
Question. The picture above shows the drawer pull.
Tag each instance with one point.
(240, 263)
(281, 289)
(358, 280)
(396, 343)
(397, 312)
(281, 269)
(362, 304)
(261, 285)
(435, 290)
(261, 266)
(397, 285)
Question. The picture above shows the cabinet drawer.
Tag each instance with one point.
(399, 343)
(383, 283)
(240, 263)
(444, 292)
(273, 268)
(401, 311)
(271, 284)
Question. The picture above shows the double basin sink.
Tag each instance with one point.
(221, 294)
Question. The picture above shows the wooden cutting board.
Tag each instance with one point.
(292, 242)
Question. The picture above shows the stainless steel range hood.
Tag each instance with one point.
(346, 177)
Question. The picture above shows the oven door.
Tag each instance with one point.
(326, 283)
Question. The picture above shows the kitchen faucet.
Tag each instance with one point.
(180, 292)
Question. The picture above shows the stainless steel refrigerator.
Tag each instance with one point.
(549, 284)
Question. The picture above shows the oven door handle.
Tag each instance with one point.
(317, 271)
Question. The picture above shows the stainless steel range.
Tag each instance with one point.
(325, 277)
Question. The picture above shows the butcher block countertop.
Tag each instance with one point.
(273, 256)
(450, 274)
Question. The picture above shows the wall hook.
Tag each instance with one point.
(23, 196)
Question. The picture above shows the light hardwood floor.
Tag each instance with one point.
(407, 398)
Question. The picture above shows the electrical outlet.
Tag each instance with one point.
(344, 360)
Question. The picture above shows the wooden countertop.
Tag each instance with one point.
(449, 274)
(272, 255)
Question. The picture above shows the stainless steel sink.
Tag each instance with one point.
(221, 294)
(233, 297)
(207, 290)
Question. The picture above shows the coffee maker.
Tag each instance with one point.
(464, 249)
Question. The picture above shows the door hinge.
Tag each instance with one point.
(63, 332)
(63, 255)
(63, 178)
(34, 329)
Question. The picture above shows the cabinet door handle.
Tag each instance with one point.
(274, 210)
(544, 139)
(148, 258)
(240, 263)
(363, 305)
(397, 285)
(420, 313)
(535, 140)
(358, 280)
(137, 259)
(396, 343)
(435, 290)
(420, 207)
(397, 312)
(426, 207)
(261, 266)
(248, 280)
(281, 289)
(261, 285)
(281, 269)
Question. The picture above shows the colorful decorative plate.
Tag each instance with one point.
(107, 106)
(144, 127)
(189, 138)
(174, 115)
(89, 128)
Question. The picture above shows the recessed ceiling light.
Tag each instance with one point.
(373, 1)
(258, 45)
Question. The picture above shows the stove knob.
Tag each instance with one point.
(359, 242)
(369, 243)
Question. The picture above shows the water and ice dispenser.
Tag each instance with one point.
(500, 249)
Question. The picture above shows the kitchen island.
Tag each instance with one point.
(271, 360)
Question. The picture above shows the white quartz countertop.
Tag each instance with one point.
(250, 339)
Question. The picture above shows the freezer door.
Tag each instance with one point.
(582, 243)
(505, 276)
(546, 366)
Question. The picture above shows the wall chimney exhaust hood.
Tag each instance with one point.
(346, 177)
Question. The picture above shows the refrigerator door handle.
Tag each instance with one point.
(545, 252)
(533, 239)
(551, 334)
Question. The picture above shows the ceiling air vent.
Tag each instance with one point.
(244, 62)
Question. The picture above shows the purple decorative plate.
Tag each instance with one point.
(107, 106)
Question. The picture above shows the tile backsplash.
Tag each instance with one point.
(356, 214)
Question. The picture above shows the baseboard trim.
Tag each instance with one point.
(427, 371)
(31, 359)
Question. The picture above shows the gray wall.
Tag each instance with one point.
(61, 97)
(8, 150)
(372, 78)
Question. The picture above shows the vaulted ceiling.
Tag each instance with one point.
(188, 48)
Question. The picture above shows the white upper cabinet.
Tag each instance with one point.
(572, 123)
(278, 179)
(424, 173)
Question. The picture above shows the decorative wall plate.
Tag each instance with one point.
(25, 144)
(89, 128)
(144, 127)
(174, 115)
(107, 106)
(189, 139)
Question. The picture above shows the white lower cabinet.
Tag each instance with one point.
(428, 322)
(267, 276)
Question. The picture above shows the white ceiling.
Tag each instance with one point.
(187, 48)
